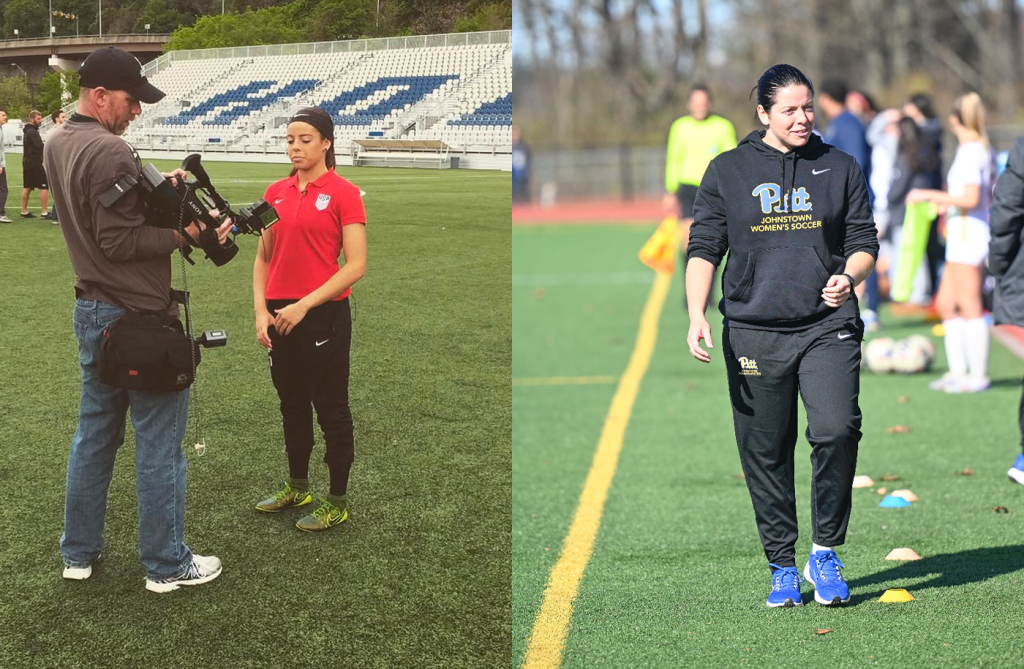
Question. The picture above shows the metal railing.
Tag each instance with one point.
(71, 40)
(625, 173)
(314, 48)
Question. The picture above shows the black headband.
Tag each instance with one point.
(324, 124)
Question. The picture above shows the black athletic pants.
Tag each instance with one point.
(1021, 419)
(3, 192)
(310, 369)
(766, 371)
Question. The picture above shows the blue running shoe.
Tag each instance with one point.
(786, 583)
(1016, 472)
(822, 571)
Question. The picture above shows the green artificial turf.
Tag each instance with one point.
(678, 576)
(418, 577)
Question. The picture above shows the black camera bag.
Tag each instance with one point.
(148, 351)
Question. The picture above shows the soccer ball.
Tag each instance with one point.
(909, 356)
(878, 354)
(926, 344)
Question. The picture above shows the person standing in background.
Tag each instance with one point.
(693, 141)
(1006, 262)
(846, 132)
(919, 108)
(3, 170)
(520, 168)
(33, 174)
(959, 297)
(59, 118)
(917, 166)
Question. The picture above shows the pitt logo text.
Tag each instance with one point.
(748, 367)
(770, 195)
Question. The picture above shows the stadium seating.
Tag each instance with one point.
(458, 94)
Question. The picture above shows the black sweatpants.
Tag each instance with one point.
(766, 371)
(3, 192)
(310, 368)
(1021, 419)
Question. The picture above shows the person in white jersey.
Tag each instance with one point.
(965, 201)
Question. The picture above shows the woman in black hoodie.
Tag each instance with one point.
(794, 215)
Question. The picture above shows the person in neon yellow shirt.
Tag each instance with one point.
(693, 141)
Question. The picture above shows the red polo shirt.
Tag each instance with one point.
(307, 237)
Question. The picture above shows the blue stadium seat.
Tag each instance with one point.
(418, 88)
(240, 101)
(497, 112)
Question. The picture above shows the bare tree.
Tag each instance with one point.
(616, 70)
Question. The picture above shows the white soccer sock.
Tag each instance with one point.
(956, 348)
(976, 341)
(815, 548)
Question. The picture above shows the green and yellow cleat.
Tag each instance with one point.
(326, 516)
(283, 499)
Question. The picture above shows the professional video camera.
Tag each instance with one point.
(175, 207)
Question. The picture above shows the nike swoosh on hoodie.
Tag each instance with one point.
(785, 232)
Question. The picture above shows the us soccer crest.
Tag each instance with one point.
(322, 201)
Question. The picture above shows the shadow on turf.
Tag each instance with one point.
(948, 570)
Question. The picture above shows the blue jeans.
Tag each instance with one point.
(160, 420)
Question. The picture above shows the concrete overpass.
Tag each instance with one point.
(35, 56)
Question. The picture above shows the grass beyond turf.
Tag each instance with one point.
(678, 576)
(417, 577)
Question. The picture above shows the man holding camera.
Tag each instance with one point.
(121, 266)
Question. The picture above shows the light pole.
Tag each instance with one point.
(101, 18)
(147, 30)
(15, 33)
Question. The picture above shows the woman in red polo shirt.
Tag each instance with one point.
(300, 295)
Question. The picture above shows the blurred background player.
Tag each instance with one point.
(520, 168)
(916, 166)
(59, 118)
(693, 141)
(846, 132)
(1006, 262)
(33, 174)
(3, 169)
(919, 108)
(959, 298)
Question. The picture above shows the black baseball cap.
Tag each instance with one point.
(118, 70)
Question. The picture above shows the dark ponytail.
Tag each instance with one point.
(776, 78)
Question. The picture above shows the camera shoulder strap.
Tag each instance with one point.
(121, 187)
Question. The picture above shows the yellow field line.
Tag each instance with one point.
(564, 380)
(549, 629)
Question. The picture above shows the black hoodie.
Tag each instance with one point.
(781, 256)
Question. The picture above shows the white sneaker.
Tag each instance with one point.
(947, 379)
(968, 384)
(77, 573)
(204, 568)
(1016, 472)
(4, 219)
